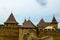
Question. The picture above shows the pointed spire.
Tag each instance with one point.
(24, 21)
(42, 20)
(41, 23)
(11, 19)
(54, 20)
(29, 20)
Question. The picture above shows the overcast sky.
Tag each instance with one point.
(29, 8)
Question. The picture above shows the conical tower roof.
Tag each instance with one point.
(41, 21)
(54, 20)
(28, 23)
(11, 19)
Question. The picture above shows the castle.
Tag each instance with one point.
(11, 30)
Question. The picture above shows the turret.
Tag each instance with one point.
(54, 23)
(11, 21)
(41, 23)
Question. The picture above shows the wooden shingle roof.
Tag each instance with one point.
(11, 19)
(54, 20)
(41, 23)
(28, 23)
